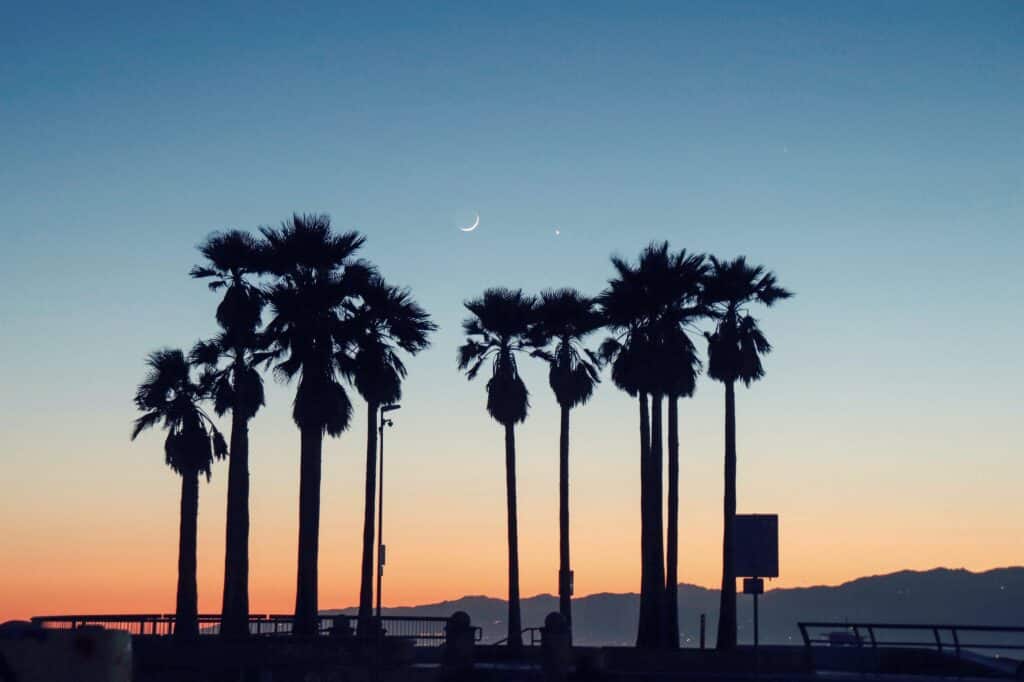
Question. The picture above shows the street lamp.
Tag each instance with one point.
(380, 500)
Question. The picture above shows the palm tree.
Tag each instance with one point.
(735, 348)
(387, 319)
(229, 360)
(499, 328)
(680, 367)
(629, 310)
(563, 319)
(169, 397)
(648, 307)
(316, 275)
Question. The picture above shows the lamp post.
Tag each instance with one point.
(380, 501)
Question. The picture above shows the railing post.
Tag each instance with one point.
(956, 641)
(341, 626)
(556, 647)
(938, 639)
(703, 621)
(459, 636)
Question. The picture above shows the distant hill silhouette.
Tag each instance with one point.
(941, 595)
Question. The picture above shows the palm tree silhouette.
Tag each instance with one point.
(316, 276)
(386, 319)
(629, 310)
(564, 317)
(735, 348)
(168, 396)
(648, 307)
(498, 329)
(229, 361)
(679, 367)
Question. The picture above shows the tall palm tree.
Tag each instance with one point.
(735, 348)
(229, 360)
(316, 275)
(680, 366)
(168, 396)
(497, 330)
(564, 317)
(629, 310)
(385, 320)
(648, 308)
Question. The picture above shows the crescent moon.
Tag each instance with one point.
(476, 223)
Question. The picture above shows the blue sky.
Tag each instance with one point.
(870, 153)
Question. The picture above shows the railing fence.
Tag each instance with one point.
(996, 640)
(425, 631)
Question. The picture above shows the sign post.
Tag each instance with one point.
(757, 557)
(754, 586)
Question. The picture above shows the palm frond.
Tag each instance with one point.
(146, 421)
(499, 326)
(206, 352)
(169, 396)
(736, 346)
(200, 272)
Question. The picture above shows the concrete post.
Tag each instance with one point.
(556, 648)
(341, 626)
(458, 643)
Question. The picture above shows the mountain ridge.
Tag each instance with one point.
(948, 595)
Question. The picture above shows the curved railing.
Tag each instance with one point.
(953, 639)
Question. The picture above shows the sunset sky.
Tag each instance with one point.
(871, 154)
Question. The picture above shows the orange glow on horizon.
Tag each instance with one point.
(94, 529)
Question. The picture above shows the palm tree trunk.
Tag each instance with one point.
(515, 627)
(672, 550)
(564, 567)
(727, 606)
(235, 606)
(306, 620)
(369, 498)
(186, 622)
(658, 514)
(652, 571)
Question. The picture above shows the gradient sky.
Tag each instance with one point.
(870, 153)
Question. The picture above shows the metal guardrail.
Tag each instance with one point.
(535, 637)
(136, 623)
(943, 638)
(425, 631)
(162, 624)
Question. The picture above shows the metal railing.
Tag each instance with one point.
(943, 638)
(534, 637)
(162, 624)
(425, 631)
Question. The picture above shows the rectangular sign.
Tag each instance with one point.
(757, 546)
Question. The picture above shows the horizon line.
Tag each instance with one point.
(702, 587)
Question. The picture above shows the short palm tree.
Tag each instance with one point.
(497, 330)
(315, 276)
(735, 348)
(565, 317)
(386, 320)
(229, 360)
(169, 397)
